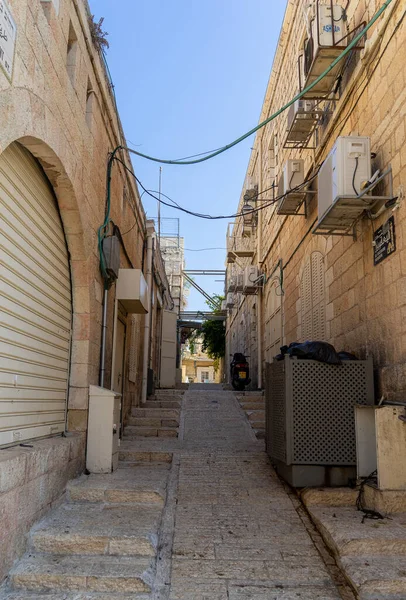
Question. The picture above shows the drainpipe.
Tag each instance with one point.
(147, 318)
(103, 343)
(259, 250)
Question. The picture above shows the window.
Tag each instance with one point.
(71, 55)
(312, 294)
(204, 376)
(273, 324)
(90, 97)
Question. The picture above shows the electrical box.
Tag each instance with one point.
(103, 430)
(292, 176)
(230, 300)
(345, 170)
(111, 254)
(132, 291)
(251, 277)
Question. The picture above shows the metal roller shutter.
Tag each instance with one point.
(35, 302)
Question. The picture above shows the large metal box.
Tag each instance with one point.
(103, 430)
(310, 425)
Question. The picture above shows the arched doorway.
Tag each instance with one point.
(35, 302)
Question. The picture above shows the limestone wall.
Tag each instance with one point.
(364, 306)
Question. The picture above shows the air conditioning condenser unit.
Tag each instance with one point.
(251, 280)
(292, 177)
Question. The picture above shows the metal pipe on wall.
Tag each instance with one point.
(259, 250)
(147, 319)
(103, 343)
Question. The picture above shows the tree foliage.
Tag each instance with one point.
(214, 335)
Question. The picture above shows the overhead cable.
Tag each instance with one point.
(344, 53)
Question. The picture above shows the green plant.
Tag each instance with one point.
(97, 33)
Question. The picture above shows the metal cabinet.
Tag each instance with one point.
(310, 425)
(103, 430)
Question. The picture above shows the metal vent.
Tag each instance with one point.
(312, 293)
(275, 405)
(310, 410)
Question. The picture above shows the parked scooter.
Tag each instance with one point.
(239, 371)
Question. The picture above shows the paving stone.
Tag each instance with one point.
(100, 574)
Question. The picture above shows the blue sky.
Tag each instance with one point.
(190, 76)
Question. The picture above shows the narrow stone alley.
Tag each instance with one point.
(201, 516)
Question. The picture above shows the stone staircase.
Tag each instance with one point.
(158, 417)
(101, 543)
(253, 403)
(370, 553)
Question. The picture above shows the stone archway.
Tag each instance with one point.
(82, 370)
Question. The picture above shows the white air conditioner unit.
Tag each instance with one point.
(328, 37)
(232, 283)
(223, 305)
(251, 280)
(342, 174)
(303, 116)
(292, 176)
(230, 301)
(240, 282)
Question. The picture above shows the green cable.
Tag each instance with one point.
(281, 110)
(102, 231)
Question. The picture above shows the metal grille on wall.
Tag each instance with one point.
(310, 410)
(312, 294)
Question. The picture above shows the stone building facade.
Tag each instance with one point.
(58, 125)
(327, 286)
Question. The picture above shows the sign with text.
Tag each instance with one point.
(8, 34)
(384, 240)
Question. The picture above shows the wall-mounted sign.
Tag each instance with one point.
(384, 240)
(8, 34)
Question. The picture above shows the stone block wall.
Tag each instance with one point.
(364, 305)
(33, 480)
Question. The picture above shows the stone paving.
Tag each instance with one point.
(237, 534)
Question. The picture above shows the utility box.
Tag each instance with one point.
(310, 425)
(103, 430)
(132, 291)
(168, 349)
(381, 445)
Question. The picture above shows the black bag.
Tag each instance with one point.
(320, 351)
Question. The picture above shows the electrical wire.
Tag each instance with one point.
(344, 53)
(354, 174)
(217, 217)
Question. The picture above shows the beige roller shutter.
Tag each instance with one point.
(35, 302)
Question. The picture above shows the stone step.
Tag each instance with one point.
(346, 534)
(134, 432)
(376, 577)
(256, 415)
(161, 404)
(98, 529)
(250, 394)
(64, 595)
(138, 485)
(151, 422)
(43, 572)
(137, 457)
(253, 405)
(156, 413)
(258, 425)
(161, 394)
